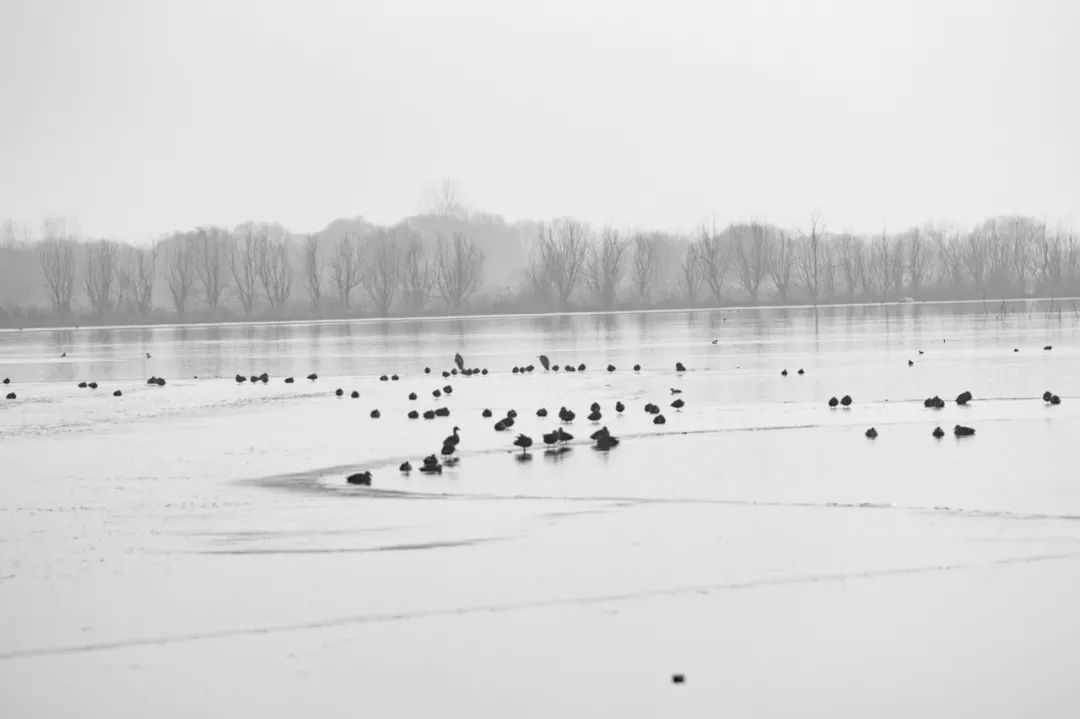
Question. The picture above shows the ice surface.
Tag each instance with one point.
(194, 550)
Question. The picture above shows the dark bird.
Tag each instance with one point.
(652, 408)
(363, 478)
(339, 391)
(554, 368)
(436, 394)
(581, 367)
(595, 406)
(569, 368)
(1048, 347)
(289, 380)
(375, 414)
(442, 412)
(659, 419)
(240, 379)
(384, 378)
(453, 439)
(160, 382)
(938, 432)
(117, 393)
(678, 679)
(619, 406)
(1054, 399)
(963, 398)
(429, 414)
(846, 400)
(11, 395)
(871, 433)
(147, 355)
(511, 413)
(833, 401)
(962, 431)
(594, 416)
(486, 413)
(637, 368)
(529, 368)
(413, 414)
(544, 362)
(63, 354)
(541, 412)
(82, 385)
(523, 441)
(602, 432)
(500, 426)
(484, 371)
(783, 373)
(934, 402)
(7, 380)
(679, 367)
(152, 380)
(92, 385)
(678, 404)
(566, 415)
(514, 371)
(412, 395)
(430, 460)
(563, 435)
(447, 450)
(675, 391)
(611, 368)
(606, 442)
(427, 370)
(1047, 395)
(1015, 349)
(445, 374)
(405, 466)
(459, 360)
(453, 371)
(432, 468)
(910, 363)
(254, 378)
(551, 437)
(264, 378)
(448, 389)
(920, 352)
(508, 421)
(313, 376)
(801, 371)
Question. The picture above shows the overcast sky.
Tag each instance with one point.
(143, 117)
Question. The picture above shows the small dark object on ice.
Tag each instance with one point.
(1048, 347)
(289, 380)
(801, 371)
(523, 441)
(678, 404)
(637, 368)
(313, 376)
(92, 385)
(541, 412)
(375, 414)
(412, 395)
(783, 373)
(413, 414)
(355, 394)
(611, 368)
(486, 413)
(429, 414)
(427, 370)
(846, 400)
(240, 379)
(1054, 399)
(962, 431)
(11, 395)
(117, 393)
(963, 398)
(405, 467)
(442, 412)
(363, 478)
(679, 367)
(7, 380)
(678, 679)
(384, 378)
(871, 433)
(619, 406)
(833, 401)
(910, 363)
(659, 419)
(394, 378)
(938, 432)
(339, 391)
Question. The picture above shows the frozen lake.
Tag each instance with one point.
(193, 549)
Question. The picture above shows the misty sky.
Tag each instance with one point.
(144, 117)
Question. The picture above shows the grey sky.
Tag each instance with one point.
(144, 117)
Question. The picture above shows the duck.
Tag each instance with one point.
(963, 398)
(569, 368)
(602, 432)
(962, 431)
(442, 412)
(453, 371)
(523, 441)
(1048, 347)
(678, 404)
(484, 372)
(611, 368)
(675, 391)
(427, 370)
(384, 378)
(405, 467)
(413, 414)
(1047, 395)
(432, 468)
(459, 360)
(910, 363)
(254, 378)
(117, 393)
(375, 414)
(529, 368)
(606, 442)
(313, 376)
(566, 415)
(412, 395)
(339, 391)
(453, 438)
(801, 371)
(363, 478)
(595, 407)
(544, 362)
(436, 393)
(846, 400)
(289, 380)
(554, 368)
(581, 367)
(1054, 399)
(448, 389)
(541, 412)
(679, 367)
(938, 432)
(445, 374)
(563, 435)
(264, 378)
(783, 373)
(7, 380)
(486, 413)
(92, 385)
(619, 407)
(508, 421)
(652, 408)
(637, 368)
(514, 370)
(240, 379)
(594, 416)
(551, 438)
(11, 395)
(429, 414)
(659, 419)
(871, 433)
(500, 426)
(833, 402)
(354, 394)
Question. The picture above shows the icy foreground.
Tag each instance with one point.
(193, 550)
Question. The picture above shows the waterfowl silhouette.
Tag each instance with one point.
(1048, 347)
(508, 421)
(484, 371)
(453, 371)
(152, 380)
(566, 415)
(412, 395)
(563, 435)
(447, 450)
(413, 414)
(581, 367)
(1054, 399)
(289, 380)
(529, 368)
(11, 395)
(63, 354)
(500, 425)
(445, 374)
(554, 368)
(544, 362)
(240, 379)
(569, 368)
(523, 441)
(486, 413)
(448, 389)
(541, 412)
(427, 370)
(375, 414)
(801, 371)
(783, 373)
(429, 414)
(679, 367)
(833, 401)
(313, 376)
(675, 391)
(453, 439)
(619, 406)
(442, 412)
(594, 407)
(514, 371)
(602, 432)
(871, 433)
(511, 413)
(652, 408)
(160, 382)
(678, 404)
(436, 393)
(354, 394)
(459, 361)
(551, 438)
(339, 391)
(606, 442)
(910, 363)
(938, 432)
(92, 385)
(363, 478)
(962, 431)
(611, 368)
(432, 468)
(7, 380)
(1047, 395)
(963, 398)
(659, 419)
(117, 393)
(846, 400)
(264, 378)
(637, 368)
(384, 378)
(147, 355)
(405, 466)
(254, 378)
(594, 416)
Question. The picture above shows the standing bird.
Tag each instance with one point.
(595, 406)
(566, 415)
(339, 391)
(783, 373)
(611, 368)
(551, 438)
(679, 367)
(678, 404)
(846, 400)
(659, 419)
(523, 441)
(459, 360)
(963, 398)
(313, 376)
(541, 412)
(594, 416)
(833, 401)
(563, 435)
(938, 432)
(619, 406)
(544, 362)
(486, 413)
(871, 433)
(453, 439)
(637, 368)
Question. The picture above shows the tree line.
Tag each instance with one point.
(263, 271)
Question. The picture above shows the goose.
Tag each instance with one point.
(846, 400)
(486, 413)
(544, 362)
(313, 376)
(375, 414)
(445, 374)
(447, 450)
(678, 404)
(679, 367)
(619, 406)
(442, 412)
(938, 432)
(523, 441)
(405, 467)
(413, 414)
(339, 391)
(833, 401)
(289, 380)
(871, 433)
(962, 431)
(659, 419)
(963, 398)
(459, 360)
(354, 394)
(541, 412)
(363, 478)
(453, 438)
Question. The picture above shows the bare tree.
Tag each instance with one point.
(851, 259)
(690, 273)
(274, 269)
(100, 276)
(643, 266)
(243, 260)
(382, 272)
(211, 246)
(781, 262)
(313, 270)
(57, 256)
(751, 244)
(811, 259)
(559, 258)
(180, 270)
(459, 266)
(975, 256)
(918, 260)
(606, 266)
(345, 267)
(713, 259)
(418, 276)
(137, 278)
